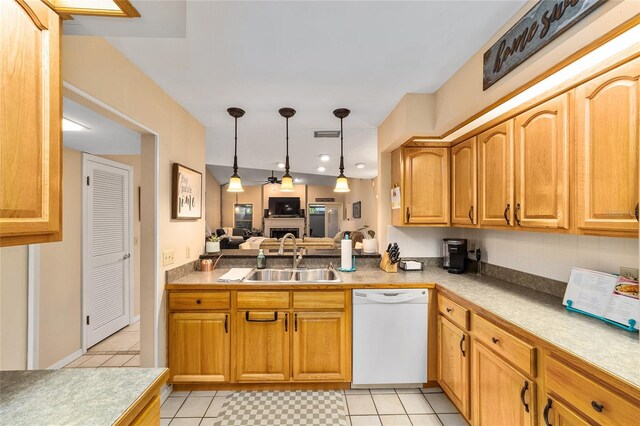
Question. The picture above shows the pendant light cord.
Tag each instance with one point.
(235, 152)
(341, 150)
(286, 163)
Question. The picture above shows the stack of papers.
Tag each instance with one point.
(235, 274)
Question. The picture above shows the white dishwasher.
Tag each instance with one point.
(390, 336)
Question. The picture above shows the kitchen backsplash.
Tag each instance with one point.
(544, 254)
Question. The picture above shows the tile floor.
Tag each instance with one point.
(121, 349)
(366, 407)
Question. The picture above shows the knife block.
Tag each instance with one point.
(386, 265)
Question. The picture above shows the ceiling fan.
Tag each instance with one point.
(270, 180)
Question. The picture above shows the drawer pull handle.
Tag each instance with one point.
(546, 412)
(295, 323)
(597, 406)
(506, 211)
(449, 310)
(226, 323)
(516, 214)
(286, 322)
(464, 354)
(198, 301)
(494, 340)
(523, 391)
(274, 319)
(471, 215)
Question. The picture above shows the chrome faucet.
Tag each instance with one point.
(296, 259)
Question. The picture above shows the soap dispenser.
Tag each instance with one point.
(262, 260)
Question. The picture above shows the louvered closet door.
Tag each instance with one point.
(107, 245)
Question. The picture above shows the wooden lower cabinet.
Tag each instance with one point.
(557, 414)
(453, 364)
(320, 346)
(262, 346)
(199, 347)
(501, 395)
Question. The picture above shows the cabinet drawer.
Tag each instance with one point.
(588, 396)
(189, 301)
(519, 353)
(263, 299)
(453, 312)
(319, 299)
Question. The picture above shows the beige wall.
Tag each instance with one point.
(316, 191)
(13, 308)
(212, 202)
(363, 190)
(251, 195)
(92, 65)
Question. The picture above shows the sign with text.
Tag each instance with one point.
(543, 23)
(186, 200)
(325, 200)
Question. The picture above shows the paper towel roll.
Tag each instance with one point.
(346, 261)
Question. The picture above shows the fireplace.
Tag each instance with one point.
(281, 232)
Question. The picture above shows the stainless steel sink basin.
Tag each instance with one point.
(324, 275)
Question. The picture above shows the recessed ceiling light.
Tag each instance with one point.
(280, 165)
(321, 169)
(72, 126)
(325, 158)
(297, 180)
(360, 165)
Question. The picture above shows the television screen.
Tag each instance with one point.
(284, 206)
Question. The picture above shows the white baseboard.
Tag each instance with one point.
(66, 360)
(166, 391)
(134, 319)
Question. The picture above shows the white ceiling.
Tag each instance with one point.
(101, 136)
(253, 177)
(313, 56)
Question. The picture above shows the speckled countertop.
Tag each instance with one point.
(613, 350)
(78, 396)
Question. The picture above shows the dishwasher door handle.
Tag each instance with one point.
(389, 297)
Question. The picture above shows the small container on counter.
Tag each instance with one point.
(261, 260)
(206, 265)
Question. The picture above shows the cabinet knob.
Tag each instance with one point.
(494, 340)
(597, 406)
(198, 301)
(449, 310)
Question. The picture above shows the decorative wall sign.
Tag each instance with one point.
(543, 23)
(186, 199)
(357, 210)
(325, 200)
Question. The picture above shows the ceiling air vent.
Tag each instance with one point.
(326, 134)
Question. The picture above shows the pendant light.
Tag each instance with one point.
(235, 183)
(287, 180)
(342, 184)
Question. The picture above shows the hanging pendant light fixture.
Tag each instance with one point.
(342, 184)
(287, 180)
(235, 183)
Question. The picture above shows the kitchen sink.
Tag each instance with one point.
(324, 275)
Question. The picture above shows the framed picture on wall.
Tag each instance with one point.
(186, 197)
(357, 210)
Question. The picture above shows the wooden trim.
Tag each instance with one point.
(127, 10)
(143, 400)
(263, 386)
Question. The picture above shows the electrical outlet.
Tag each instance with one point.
(629, 272)
(188, 252)
(167, 257)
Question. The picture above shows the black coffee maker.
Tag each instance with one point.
(455, 255)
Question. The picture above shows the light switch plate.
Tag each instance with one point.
(629, 272)
(167, 257)
(188, 252)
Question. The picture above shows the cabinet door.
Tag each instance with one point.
(426, 185)
(199, 347)
(30, 119)
(501, 395)
(607, 138)
(453, 364)
(542, 165)
(262, 346)
(495, 167)
(557, 414)
(320, 346)
(464, 189)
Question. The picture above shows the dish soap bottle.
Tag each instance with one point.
(262, 260)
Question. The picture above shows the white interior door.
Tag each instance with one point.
(107, 274)
(332, 219)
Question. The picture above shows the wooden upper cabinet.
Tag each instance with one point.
(453, 364)
(30, 124)
(199, 348)
(495, 170)
(464, 188)
(607, 134)
(426, 186)
(397, 218)
(541, 140)
(320, 346)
